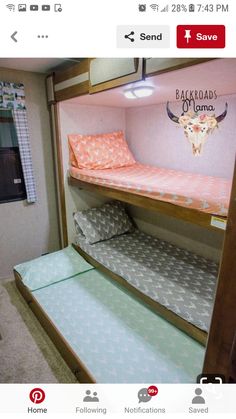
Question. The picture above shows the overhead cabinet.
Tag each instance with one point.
(106, 73)
(154, 66)
(72, 82)
(93, 75)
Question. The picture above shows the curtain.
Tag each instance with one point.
(12, 97)
(21, 125)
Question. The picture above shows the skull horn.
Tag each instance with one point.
(223, 115)
(171, 115)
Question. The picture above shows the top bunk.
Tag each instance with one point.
(203, 201)
(196, 188)
(104, 164)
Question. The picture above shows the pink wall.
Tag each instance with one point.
(156, 140)
(84, 119)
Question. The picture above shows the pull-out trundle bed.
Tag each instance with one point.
(105, 334)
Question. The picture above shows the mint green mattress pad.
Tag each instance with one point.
(54, 267)
(116, 336)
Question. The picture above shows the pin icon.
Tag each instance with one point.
(188, 35)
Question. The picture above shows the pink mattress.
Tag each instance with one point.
(204, 193)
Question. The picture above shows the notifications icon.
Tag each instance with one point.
(145, 394)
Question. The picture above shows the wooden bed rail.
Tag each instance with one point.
(221, 348)
(190, 215)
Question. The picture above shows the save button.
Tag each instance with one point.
(200, 36)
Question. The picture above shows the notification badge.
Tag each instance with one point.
(152, 391)
(37, 396)
(145, 394)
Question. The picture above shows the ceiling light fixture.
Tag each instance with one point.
(139, 92)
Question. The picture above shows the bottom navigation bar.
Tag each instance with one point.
(121, 400)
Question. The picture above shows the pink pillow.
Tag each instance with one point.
(102, 151)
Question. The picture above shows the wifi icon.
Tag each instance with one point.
(154, 7)
(11, 7)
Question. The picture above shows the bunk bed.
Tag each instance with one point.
(103, 163)
(66, 85)
(202, 200)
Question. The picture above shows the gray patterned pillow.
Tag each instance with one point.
(103, 223)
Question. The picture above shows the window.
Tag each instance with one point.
(12, 186)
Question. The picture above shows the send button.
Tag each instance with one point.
(143, 36)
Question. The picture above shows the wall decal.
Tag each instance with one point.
(197, 127)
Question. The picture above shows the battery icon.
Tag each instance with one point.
(191, 8)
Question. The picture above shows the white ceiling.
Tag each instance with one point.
(219, 75)
(37, 65)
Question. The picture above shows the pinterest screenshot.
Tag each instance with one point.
(118, 209)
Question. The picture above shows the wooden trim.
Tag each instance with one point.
(51, 108)
(49, 82)
(220, 348)
(61, 176)
(73, 361)
(55, 118)
(200, 218)
(77, 88)
(111, 84)
(176, 67)
(73, 71)
(158, 308)
(72, 91)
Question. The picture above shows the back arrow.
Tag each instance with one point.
(13, 36)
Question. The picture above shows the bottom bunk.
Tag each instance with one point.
(104, 333)
(178, 284)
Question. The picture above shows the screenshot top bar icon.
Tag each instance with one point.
(22, 7)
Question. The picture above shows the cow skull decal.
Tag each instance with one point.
(197, 127)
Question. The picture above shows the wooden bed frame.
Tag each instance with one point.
(73, 361)
(187, 214)
(158, 308)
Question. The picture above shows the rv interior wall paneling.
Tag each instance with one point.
(154, 139)
(203, 242)
(81, 119)
(27, 231)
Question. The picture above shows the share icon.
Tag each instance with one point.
(128, 36)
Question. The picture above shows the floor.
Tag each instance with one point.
(27, 355)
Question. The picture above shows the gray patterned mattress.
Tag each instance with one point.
(176, 278)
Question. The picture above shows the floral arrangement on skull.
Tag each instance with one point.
(197, 127)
